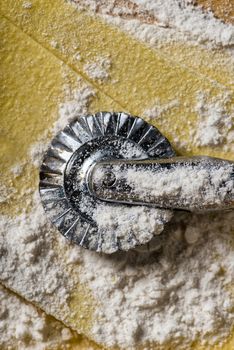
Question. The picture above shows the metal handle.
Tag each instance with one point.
(194, 184)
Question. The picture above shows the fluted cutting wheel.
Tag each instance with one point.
(63, 188)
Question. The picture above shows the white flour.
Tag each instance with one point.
(184, 285)
(160, 22)
(99, 69)
(28, 239)
(29, 328)
(129, 225)
(27, 5)
(5, 193)
(181, 291)
(159, 109)
(156, 22)
(28, 261)
(215, 122)
(186, 186)
(77, 104)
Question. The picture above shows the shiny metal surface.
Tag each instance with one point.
(85, 141)
(209, 181)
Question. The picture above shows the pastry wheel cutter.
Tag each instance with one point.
(110, 160)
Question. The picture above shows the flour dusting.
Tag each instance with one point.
(157, 22)
(136, 293)
(29, 328)
(30, 261)
(204, 185)
(133, 226)
(99, 69)
(183, 285)
(158, 109)
(215, 122)
(5, 193)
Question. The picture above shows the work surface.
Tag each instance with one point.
(58, 62)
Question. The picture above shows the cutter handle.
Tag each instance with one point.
(193, 183)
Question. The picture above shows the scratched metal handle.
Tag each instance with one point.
(194, 184)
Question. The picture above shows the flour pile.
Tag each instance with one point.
(129, 226)
(27, 254)
(99, 69)
(180, 291)
(158, 22)
(215, 123)
(215, 120)
(29, 328)
(29, 261)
